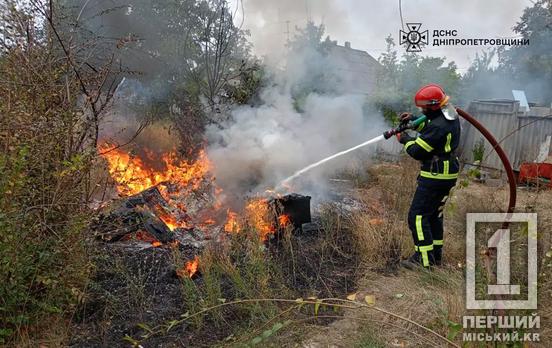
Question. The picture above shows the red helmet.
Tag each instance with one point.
(431, 96)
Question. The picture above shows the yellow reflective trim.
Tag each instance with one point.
(419, 230)
(425, 247)
(445, 167)
(425, 258)
(423, 144)
(416, 248)
(430, 175)
(437, 242)
(408, 144)
(447, 145)
(423, 250)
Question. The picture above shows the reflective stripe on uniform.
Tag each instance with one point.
(447, 144)
(437, 242)
(430, 175)
(423, 250)
(423, 144)
(408, 144)
(446, 167)
(419, 230)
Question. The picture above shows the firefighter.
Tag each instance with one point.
(434, 147)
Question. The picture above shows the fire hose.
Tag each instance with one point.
(413, 124)
(501, 154)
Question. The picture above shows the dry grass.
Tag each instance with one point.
(383, 236)
(434, 299)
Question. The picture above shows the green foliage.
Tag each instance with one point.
(307, 61)
(399, 80)
(530, 66)
(241, 270)
(44, 185)
(454, 329)
(474, 173)
(478, 150)
(247, 85)
(269, 332)
(526, 67)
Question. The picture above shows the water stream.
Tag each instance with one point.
(329, 158)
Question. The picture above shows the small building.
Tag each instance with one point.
(357, 69)
(523, 133)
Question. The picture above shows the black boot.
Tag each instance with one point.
(415, 261)
(438, 255)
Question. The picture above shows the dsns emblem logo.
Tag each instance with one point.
(414, 39)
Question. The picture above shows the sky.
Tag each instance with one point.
(366, 23)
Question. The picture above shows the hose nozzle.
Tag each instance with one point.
(404, 125)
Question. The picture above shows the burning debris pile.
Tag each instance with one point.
(180, 204)
(172, 230)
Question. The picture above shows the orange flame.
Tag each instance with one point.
(257, 214)
(283, 220)
(178, 177)
(133, 176)
(231, 224)
(209, 221)
(145, 237)
(189, 269)
(172, 222)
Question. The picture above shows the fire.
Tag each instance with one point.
(170, 220)
(179, 178)
(231, 224)
(283, 220)
(189, 269)
(257, 215)
(209, 221)
(145, 237)
(133, 176)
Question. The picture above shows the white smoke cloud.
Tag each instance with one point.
(265, 144)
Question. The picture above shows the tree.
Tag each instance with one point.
(51, 100)
(530, 66)
(187, 59)
(400, 79)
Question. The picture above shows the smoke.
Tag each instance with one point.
(261, 145)
(127, 124)
(272, 23)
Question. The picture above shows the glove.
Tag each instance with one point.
(405, 117)
(404, 138)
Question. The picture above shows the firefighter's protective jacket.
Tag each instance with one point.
(435, 147)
